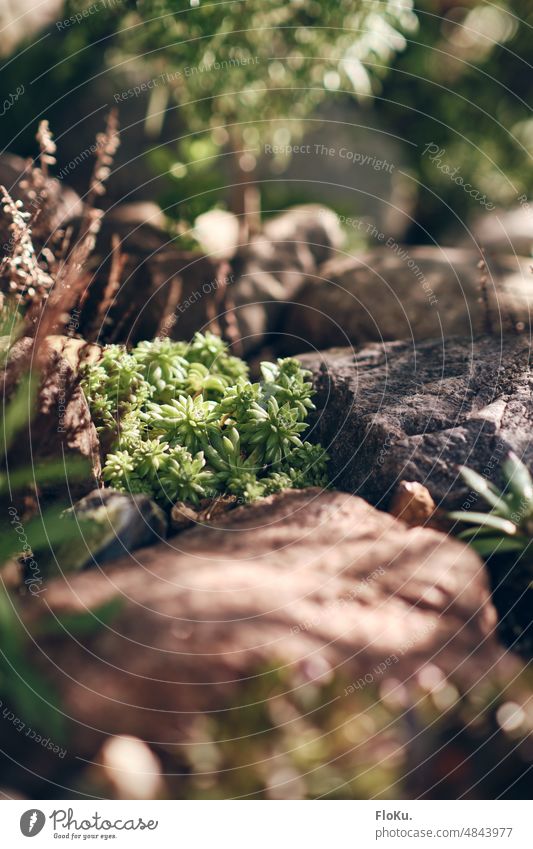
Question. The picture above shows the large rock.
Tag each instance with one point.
(319, 585)
(103, 525)
(396, 292)
(416, 412)
(273, 266)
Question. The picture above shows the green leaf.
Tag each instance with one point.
(485, 546)
(81, 624)
(50, 472)
(484, 488)
(32, 697)
(41, 533)
(485, 520)
(518, 478)
(17, 412)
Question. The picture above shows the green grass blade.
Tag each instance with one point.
(484, 488)
(485, 546)
(519, 479)
(487, 520)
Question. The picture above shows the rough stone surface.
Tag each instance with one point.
(312, 582)
(271, 268)
(122, 523)
(400, 411)
(399, 292)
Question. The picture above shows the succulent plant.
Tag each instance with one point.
(114, 386)
(273, 430)
(234, 472)
(188, 424)
(118, 470)
(185, 478)
(204, 381)
(307, 466)
(212, 352)
(237, 400)
(186, 420)
(508, 526)
(288, 382)
(163, 364)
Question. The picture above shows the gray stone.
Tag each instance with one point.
(171, 292)
(120, 523)
(275, 264)
(400, 411)
(396, 292)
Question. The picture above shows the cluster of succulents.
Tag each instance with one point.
(188, 424)
(508, 527)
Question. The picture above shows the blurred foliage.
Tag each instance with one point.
(29, 539)
(461, 84)
(306, 740)
(464, 85)
(225, 73)
(292, 737)
(247, 73)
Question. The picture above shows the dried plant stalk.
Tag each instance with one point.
(118, 261)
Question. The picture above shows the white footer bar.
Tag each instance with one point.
(267, 824)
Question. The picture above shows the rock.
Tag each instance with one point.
(184, 515)
(412, 503)
(394, 293)
(273, 266)
(397, 411)
(136, 216)
(167, 291)
(319, 585)
(163, 290)
(217, 231)
(121, 522)
(99, 528)
(7, 793)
